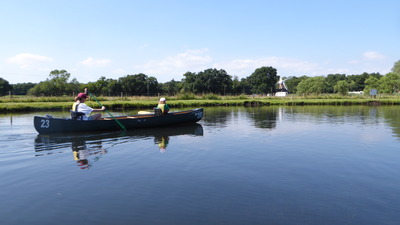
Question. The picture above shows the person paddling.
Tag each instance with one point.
(80, 106)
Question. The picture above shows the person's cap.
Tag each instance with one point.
(82, 95)
(162, 99)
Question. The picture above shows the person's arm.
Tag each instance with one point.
(99, 110)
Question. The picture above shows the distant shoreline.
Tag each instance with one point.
(64, 103)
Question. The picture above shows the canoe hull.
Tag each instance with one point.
(45, 125)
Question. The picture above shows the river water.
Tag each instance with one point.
(256, 165)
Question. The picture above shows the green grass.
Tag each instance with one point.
(30, 104)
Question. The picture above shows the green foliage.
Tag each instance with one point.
(138, 84)
(186, 96)
(22, 88)
(211, 81)
(263, 80)
(311, 85)
(207, 81)
(371, 83)
(211, 97)
(396, 68)
(390, 83)
(342, 87)
(293, 82)
(57, 85)
(171, 87)
(331, 80)
(359, 80)
(5, 87)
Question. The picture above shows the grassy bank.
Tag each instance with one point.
(32, 104)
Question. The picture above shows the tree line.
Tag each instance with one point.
(210, 81)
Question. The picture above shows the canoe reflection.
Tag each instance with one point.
(90, 147)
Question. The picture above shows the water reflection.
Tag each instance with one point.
(264, 117)
(88, 148)
(82, 152)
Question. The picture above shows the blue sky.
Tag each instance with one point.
(165, 39)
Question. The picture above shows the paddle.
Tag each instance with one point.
(119, 123)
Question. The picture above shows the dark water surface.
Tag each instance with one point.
(267, 165)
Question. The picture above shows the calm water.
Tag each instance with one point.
(267, 165)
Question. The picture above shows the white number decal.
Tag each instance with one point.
(45, 123)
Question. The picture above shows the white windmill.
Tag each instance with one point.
(282, 89)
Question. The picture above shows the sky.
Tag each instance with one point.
(167, 38)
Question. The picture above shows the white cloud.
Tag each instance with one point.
(190, 60)
(95, 62)
(371, 55)
(245, 67)
(28, 60)
(198, 60)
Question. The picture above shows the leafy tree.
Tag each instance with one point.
(189, 82)
(57, 85)
(22, 88)
(113, 87)
(263, 80)
(151, 85)
(245, 86)
(5, 87)
(138, 84)
(331, 81)
(171, 87)
(292, 82)
(236, 86)
(396, 68)
(359, 80)
(342, 87)
(207, 81)
(215, 81)
(371, 83)
(311, 85)
(390, 83)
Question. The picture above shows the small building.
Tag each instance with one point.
(281, 90)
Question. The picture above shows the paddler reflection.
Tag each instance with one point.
(162, 142)
(83, 153)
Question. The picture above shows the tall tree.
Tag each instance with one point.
(5, 87)
(138, 84)
(371, 83)
(342, 87)
(396, 68)
(390, 83)
(56, 85)
(171, 87)
(22, 88)
(292, 83)
(263, 80)
(311, 85)
(215, 81)
(331, 81)
(189, 82)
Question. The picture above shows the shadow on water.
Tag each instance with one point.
(85, 145)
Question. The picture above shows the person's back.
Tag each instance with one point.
(163, 106)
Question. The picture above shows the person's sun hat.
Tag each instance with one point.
(82, 95)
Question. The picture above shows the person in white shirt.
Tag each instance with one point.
(80, 106)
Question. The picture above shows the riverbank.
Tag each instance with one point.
(32, 104)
